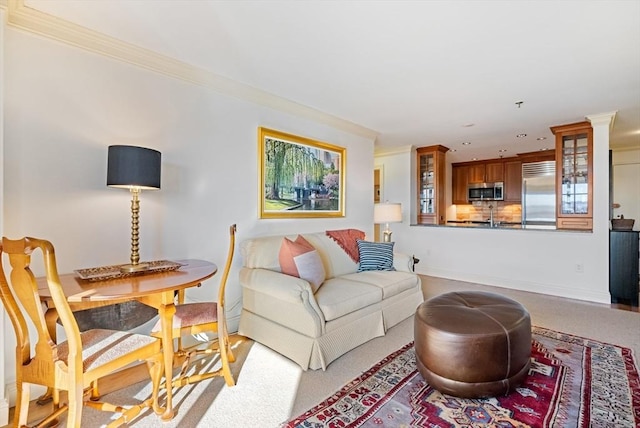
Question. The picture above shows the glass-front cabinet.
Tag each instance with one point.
(430, 184)
(574, 157)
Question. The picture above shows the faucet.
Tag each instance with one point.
(491, 224)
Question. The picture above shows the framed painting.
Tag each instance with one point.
(300, 177)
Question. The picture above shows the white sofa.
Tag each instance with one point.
(349, 308)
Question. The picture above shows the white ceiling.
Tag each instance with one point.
(415, 72)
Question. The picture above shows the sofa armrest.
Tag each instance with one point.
(403, 262)
(285, 299)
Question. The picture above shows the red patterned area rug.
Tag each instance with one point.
(573, 382)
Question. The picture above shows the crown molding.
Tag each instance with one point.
(603, 119)
(626, 148)
(388, 151)
(37, 22)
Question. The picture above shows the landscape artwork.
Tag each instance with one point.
(300, 177)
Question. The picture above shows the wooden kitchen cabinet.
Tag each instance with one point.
(505, 170)
(476, 173)
(494, 172)
(485, 172)
(459, 184)
(574, 175)
(431, 168)
(513, 181)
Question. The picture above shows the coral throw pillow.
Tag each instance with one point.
(299, 258)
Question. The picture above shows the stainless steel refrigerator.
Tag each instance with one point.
(539, 194)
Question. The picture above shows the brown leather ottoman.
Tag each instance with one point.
(472, 344)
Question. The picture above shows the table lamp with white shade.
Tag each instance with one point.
(387, 212)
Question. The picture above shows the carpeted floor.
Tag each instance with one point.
(270, 389)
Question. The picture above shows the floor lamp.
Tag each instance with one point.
(134, 168)
(387, 213)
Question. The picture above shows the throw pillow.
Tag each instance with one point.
(375, 255)
(299, 258)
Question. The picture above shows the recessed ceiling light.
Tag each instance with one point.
(521, 135)
(502, 150)
(466, 143)
(468, 125)
(474, 159)
(543, 149)
(541, 138)
(452, 150)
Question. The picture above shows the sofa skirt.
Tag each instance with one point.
(308, 352)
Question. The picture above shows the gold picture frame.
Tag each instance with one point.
(300, 177)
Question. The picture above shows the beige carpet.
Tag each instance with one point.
(270, 389)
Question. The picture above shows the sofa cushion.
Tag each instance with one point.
(339, 296)
(375, 255)
(336, 261)
(299, 258)
(390, 283)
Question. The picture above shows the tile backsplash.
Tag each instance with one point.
(480, 211)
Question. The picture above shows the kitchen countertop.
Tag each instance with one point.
(485, 224)
(470, 224)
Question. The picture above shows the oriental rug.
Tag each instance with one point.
(573, 382)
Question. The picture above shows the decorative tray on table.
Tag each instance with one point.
(102, 273)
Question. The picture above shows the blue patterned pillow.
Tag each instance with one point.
(375, 255)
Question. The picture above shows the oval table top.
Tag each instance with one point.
(78, 290)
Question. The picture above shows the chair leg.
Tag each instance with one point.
(95, 393)
(76, 399)
(22, 405)
(57, 408)
(230, 355)
(225, 353)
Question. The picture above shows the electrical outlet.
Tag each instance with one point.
(579, 268)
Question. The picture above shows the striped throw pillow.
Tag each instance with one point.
(375, 255)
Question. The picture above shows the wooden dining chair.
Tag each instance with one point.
(76, 364)
(204, 317)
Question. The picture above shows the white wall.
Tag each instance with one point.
(64, 106)
(537, 261)
(626, 184)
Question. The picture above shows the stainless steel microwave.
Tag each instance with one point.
(485, 192)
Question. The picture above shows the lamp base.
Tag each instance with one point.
(140, 267)
(386, 236)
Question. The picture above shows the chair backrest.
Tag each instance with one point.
(227, 267)
(21, 293)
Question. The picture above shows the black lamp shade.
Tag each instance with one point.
(131, 166)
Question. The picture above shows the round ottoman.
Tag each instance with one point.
(472, 344)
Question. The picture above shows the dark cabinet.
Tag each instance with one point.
(624, 257)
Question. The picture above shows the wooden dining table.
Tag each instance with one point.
(157, 290)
